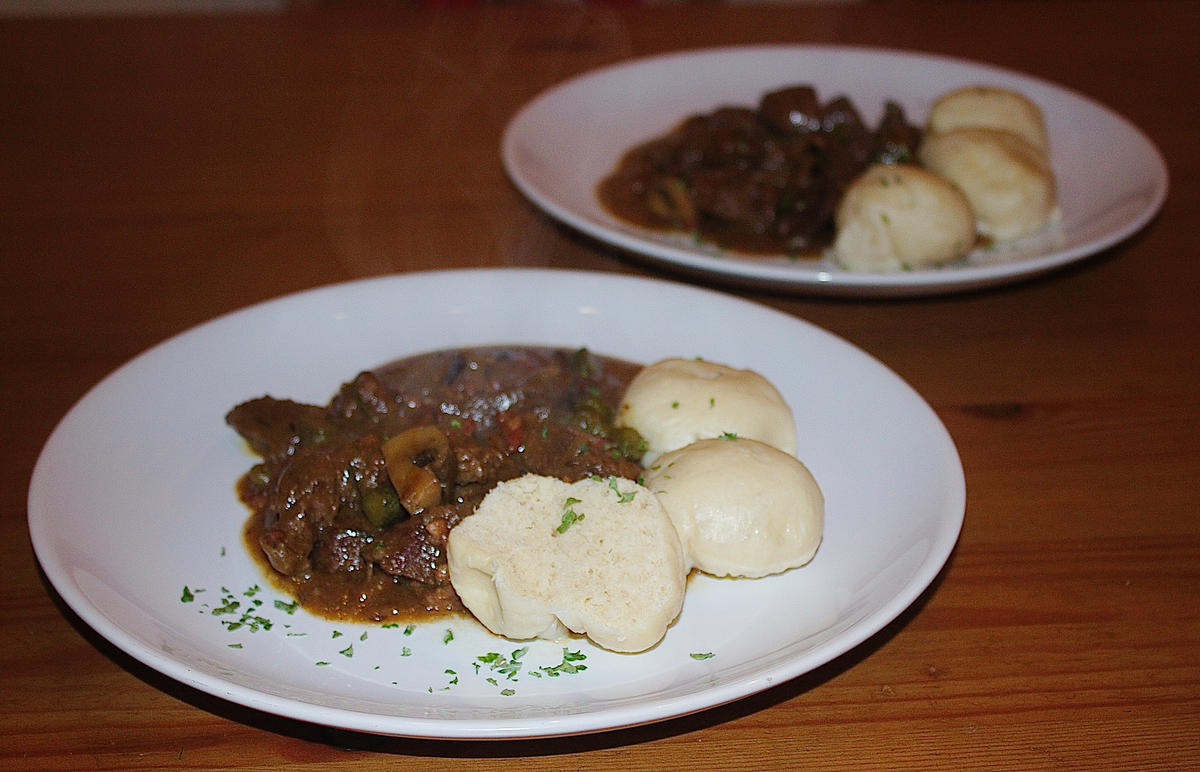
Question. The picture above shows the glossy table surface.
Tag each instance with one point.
(158, 172)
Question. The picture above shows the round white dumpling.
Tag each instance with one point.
(741, 508)
(1007, 181)
(894, 218)
(540, 557)
(988, 107)
(675, 402)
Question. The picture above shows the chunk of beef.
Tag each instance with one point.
(316, 494)
(275, 428)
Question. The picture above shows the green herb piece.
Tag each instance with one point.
(568, 666)
(348, 651)
(187, 596)
(449, 636)
(288, 608)
(228, 606)
(509, 666)
(622, 498)
(702, 655)
(569, 517)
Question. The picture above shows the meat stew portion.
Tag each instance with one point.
(353, 501)
(757, 180)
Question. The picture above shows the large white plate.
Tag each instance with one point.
(1111, 178)
(132, 500)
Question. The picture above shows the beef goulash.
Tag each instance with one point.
(353, 501)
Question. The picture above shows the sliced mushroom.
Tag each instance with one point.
(409, 455)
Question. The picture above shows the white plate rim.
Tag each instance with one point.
(41, 524)
(821, 278)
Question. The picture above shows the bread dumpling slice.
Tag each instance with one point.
(1008, 182)
(677, 401)
(989, 107)
(599, 557)
(901, 217)
(741, 508)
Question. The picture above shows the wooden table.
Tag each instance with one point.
(155, 173)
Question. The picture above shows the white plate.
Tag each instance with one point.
(1111, 178)
(133, 499)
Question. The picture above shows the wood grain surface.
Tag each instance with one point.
(158, 172)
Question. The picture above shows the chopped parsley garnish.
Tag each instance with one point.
(289, 608)
(702, 655)
(728, 436)
(449, 636)
(622, 498)
(187, 596)
(568, 666)
(508, 666)
(569, 516)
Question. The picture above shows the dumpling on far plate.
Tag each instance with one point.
(901, 217)
(989, 107)
(1007, 180)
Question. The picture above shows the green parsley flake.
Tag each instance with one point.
(449, 636)
(702, 655)
(187, 596)
(569, 516)
(569, 665)
(622, 498)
